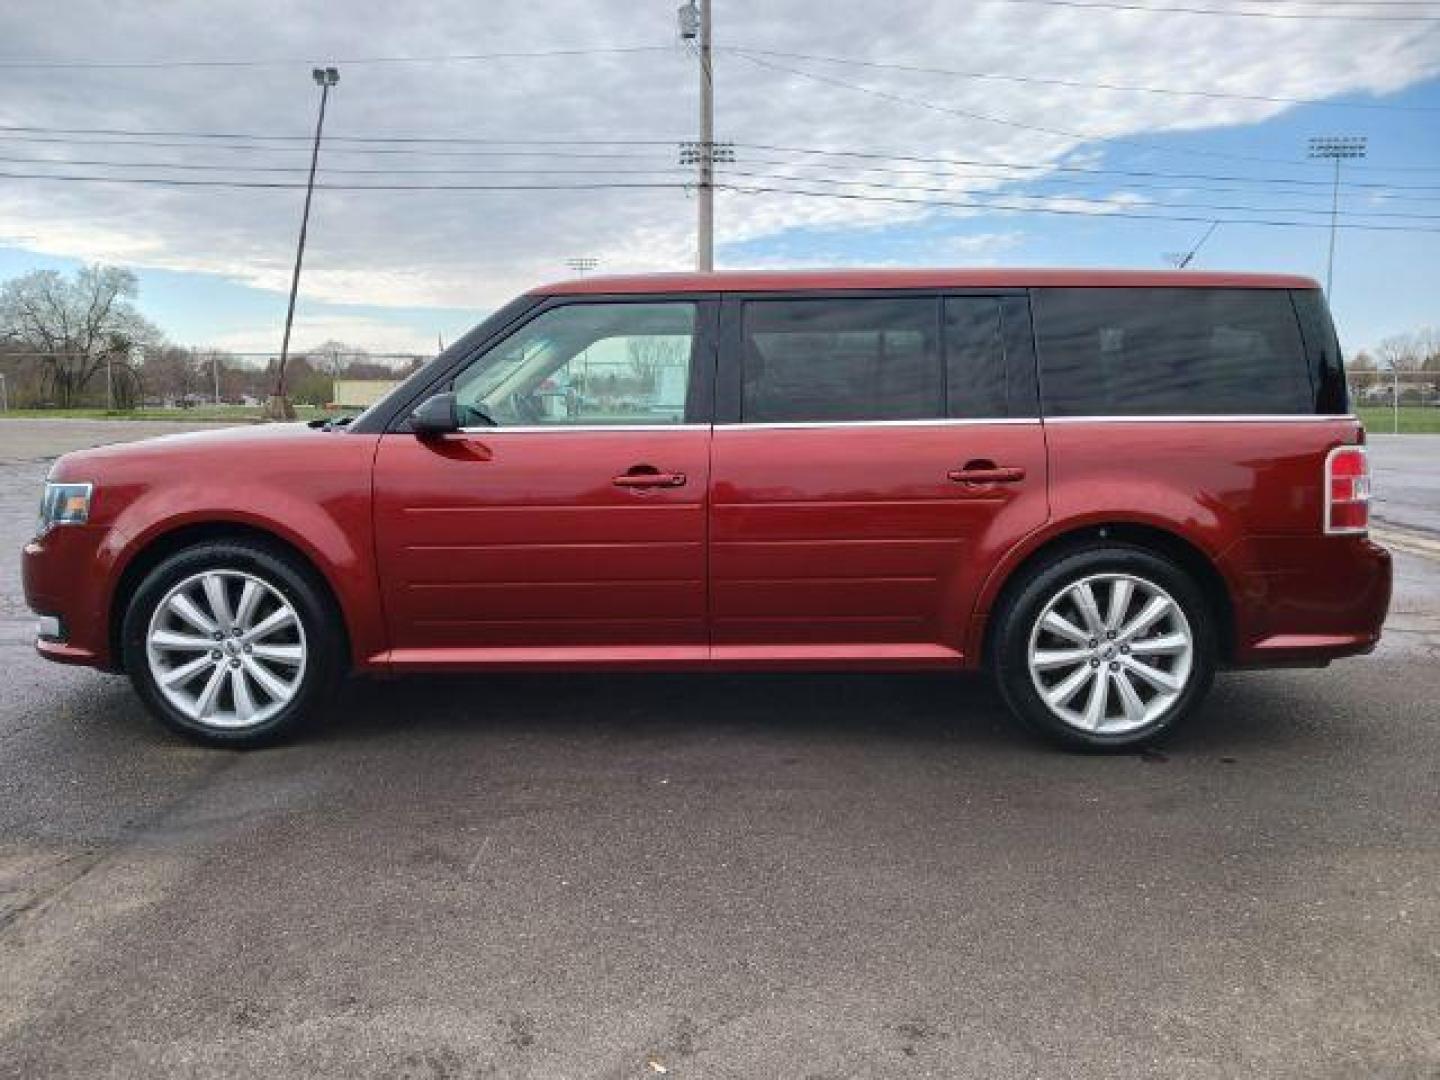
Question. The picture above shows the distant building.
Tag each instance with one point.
(361, 393)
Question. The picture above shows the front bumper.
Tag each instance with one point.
(63, 581)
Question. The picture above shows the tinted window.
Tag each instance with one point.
(975, 381)
(1327, 371)
(832, 360)
(585, 364)
(1181, 351)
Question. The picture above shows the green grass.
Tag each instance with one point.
(1414, 419)
(231, 413)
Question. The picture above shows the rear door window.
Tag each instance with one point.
(1177, 351)
(835, 360)
(976, 386)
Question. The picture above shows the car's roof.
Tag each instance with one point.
(779, 281)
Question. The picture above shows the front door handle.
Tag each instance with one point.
(988, 474)
(647, 476)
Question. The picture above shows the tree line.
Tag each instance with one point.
(81, 341)
(1404, 368)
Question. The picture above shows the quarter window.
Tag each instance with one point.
(837, 360)
(1178, 351)
(585, 364)
(1327, 372)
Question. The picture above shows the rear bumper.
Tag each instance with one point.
(1305, 601)
(62, 579)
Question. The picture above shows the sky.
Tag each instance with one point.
(954, 133)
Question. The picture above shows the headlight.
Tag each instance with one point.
(64, 504)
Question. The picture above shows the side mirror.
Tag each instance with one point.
(435, 416)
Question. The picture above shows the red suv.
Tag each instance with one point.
(1100, 486)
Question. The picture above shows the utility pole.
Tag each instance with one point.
(215, 371)
(1336, 148)
(695, 26)
(280, 407)
(705, 189)
(582, 265)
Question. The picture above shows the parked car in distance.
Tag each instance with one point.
(1101, 486)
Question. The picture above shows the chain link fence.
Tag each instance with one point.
(1397, 401)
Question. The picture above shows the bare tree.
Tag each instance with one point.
(648, 355)
(1401, 353)
(334, 357)
(172, 373)
(75, 325)
(1429, 338)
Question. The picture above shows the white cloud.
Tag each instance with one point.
(474, 249)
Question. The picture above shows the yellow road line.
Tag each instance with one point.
(1412, 543)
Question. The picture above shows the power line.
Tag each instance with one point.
(1387, 192)
(968, 114)
(968, 205)
(1098, 176)
(900, 163)
(437, 58)
(187, 166)
(1115, 5)
(287, 185)
(1077, 84)
(254, 136)
(360, 143)
(298, 149)
(1087, 199)
(900, 156)
(1427, 4)
(1065, 211)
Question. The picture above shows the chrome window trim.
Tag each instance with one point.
(1009, 421)
(1205, 418)
(530, 429)
(938, 422)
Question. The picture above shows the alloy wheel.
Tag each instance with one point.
(1111, 653)
(226, 649)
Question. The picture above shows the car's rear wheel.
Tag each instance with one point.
(231, 643)
(1105, 648)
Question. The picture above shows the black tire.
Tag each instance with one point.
(1026, 604)
(322, 639)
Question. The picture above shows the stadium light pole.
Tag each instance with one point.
(280, 407)
(1336, 148)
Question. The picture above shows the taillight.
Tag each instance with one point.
(1347, 491)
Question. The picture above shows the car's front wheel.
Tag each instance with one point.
(231, 643)
(1106, 648)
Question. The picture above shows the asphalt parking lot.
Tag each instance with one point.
(799, 876)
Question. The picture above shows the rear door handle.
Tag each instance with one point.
(997, 474)
(648, 477)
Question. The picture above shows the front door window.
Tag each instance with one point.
(585, 364)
